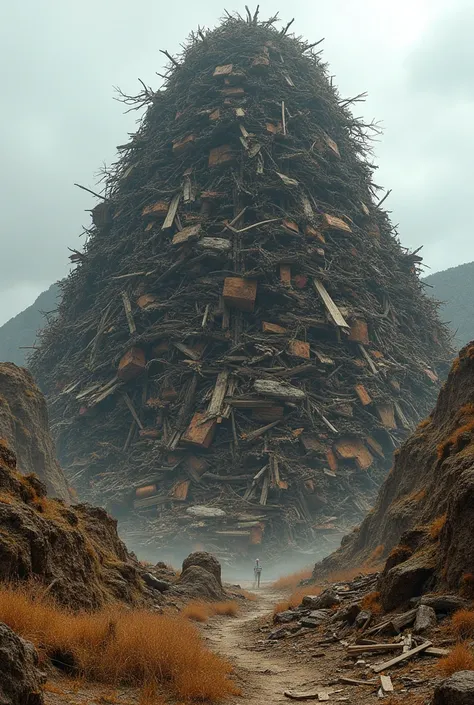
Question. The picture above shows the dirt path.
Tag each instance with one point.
(264, 677)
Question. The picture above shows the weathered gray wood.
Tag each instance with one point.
(386, 683)
(216, 244)
(374, 648)
(331, 307)
(128, 313)
(403, 657)
(218, 395)
(277, 390)
(170, 216)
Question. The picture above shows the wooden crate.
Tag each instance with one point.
(200, 433)
(240, 293)
(132, 364)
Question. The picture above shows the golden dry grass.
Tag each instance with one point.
(436, 526)
(201, 611)
(291, 581)
(117, 646)
(248, 595)
(462, 624)
(461, 658)
(371, 602)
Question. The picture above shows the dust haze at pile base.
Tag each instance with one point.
(243, 331)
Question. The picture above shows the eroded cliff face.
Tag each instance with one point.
(423, 521)
(24, 426)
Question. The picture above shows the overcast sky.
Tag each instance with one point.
(62, 58)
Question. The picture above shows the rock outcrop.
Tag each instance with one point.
(75, 551)
(424, 516)
(201, 577)
(457, 690)
(24, 425)
(21, 681)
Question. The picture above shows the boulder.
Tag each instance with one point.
(326, 600)
(286, 616)
(348, 614)
(206, 561)
(21, 682)
(456, 690)
(425, 619)
(155, 583)
(444, 603)
(406, 580)
(315, 618)
(199, 583)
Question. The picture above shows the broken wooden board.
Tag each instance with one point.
(179, 491)
(219, 156)
(223, 71)
(386, 413)
(298, 348)
(331, 222)
(359, 331)
(200, 431)
(354, 448)
(132, 364)
(403, 657)
(188, 234)
(182, 146)
(375, 446)
(331, 307)
(273, 328)
(147, 302)
(240, 293)
(128, 313)
(362, 393)
(156, 210)
(278, 390)
(171, 215)
(215, 244)
(386, 684)
(215, 406)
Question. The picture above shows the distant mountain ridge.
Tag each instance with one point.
(20, 331)
(455, 287)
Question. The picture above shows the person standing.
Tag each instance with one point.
(257, 571)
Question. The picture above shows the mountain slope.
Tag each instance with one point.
(20, 331)
(455, 287)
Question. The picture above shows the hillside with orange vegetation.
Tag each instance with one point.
(422, 523)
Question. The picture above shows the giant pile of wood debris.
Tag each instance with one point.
(244, 341)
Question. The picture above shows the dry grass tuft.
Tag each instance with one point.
(291, 581)
(437, 525)
(117, 646)
(371, 602)
(461, 658)
(467, 585)
(462, 624)
(248, 595)
(201, 611)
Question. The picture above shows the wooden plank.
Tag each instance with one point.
(155, 210)
(386, 413)
(331, 307)
(273, 328)
(220, 389)
(374, 648)
(375, 446)
(128, 313)
(403, 657)
(224, 70)
(356, 681)
(278, 390)
(192, 232)
(180, 490)
(363, 395)
(221, 155)
(386, 683)
(440, 653)
(354, 448)
(331, 222)
(170, 216)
